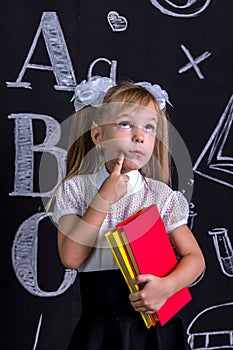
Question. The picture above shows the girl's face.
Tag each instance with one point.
(132, 132)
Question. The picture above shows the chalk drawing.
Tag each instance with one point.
(117, 23)
(192, 216)
(24, 258)
(224, 249)
(191, 220)
(112, 64)
(216, 160)
(212, 328)
(194, 62)
(192, 8)
(25, 149)
(38, 332)
(61, 64)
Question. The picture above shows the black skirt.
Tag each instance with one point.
(109, 322)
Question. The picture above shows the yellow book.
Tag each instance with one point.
(129, 251)
(125, 266)
(143, 247)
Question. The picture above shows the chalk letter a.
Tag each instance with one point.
(61, 65)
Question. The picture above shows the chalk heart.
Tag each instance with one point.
(117, 23)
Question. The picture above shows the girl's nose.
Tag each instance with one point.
(138, 135)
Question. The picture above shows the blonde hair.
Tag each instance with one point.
(83, 157)
(81, 142)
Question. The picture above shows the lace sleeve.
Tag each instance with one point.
(67, 201)
(175, 211)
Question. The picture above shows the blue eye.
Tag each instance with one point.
(150, 129)
(125, 125)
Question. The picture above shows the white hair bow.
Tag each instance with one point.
(91, 92)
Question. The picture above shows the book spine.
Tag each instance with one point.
(127, 272)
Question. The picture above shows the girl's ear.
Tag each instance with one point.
(96, 134)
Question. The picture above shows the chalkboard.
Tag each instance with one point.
(41, 299)
(46, 50)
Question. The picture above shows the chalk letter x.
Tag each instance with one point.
(194, 62)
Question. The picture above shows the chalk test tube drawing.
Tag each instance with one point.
(224, 249)
(117, 23)
(192, 8)
(61, 65)
(212, 328)
(194, 62)
(216, 159)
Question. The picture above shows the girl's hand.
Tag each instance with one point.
(153, 295)
(115, 186)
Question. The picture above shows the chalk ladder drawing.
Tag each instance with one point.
(215, 161)
(219, 332)
(117, 23)
(224, 249)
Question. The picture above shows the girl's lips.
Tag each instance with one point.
(137, 153)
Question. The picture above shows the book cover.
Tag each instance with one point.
(126, 267)
(148, 250)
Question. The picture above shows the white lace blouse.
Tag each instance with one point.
(76, 194)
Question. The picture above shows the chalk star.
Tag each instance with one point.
(194, 62)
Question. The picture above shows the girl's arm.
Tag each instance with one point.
(77, 235)
(157, 290)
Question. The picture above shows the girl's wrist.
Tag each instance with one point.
(100, 204)
(169, 286)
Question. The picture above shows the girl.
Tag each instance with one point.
(119, 164)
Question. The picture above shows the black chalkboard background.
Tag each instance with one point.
(22, 310)
(149, 49)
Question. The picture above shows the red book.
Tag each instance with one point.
(150, 251)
